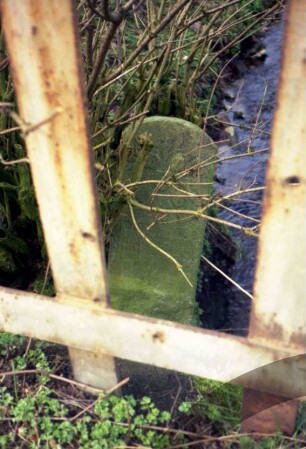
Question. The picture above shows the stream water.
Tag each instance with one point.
(250, 101)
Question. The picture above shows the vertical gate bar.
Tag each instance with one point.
(45, 62)
(278, 314)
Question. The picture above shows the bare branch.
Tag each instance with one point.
(160, 250)
(100, 59)
(147, 39)
(227, 277)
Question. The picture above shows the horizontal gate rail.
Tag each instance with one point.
(156, 342)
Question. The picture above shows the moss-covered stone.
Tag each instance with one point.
(142, 280)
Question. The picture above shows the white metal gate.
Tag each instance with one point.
(45, 62)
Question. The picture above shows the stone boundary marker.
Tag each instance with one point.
(142, 280)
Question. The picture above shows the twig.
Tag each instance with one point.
(173, 260)
(227, 277)
(169, 183)
(64, 379)
(22, 372)
(146, 41)
(109, 15)
(239, 214)
(10, 130)
(218, 8)
(23, 160)
(111, 390)
(237, 39)
(198, 214)
(235, 436)
(162, 429)
(176, 398)
(257, 119)
(218, 200)
(5, 104)
(160, 71)
(100, 59)
(205, 163)
(186, 195)
(115, 20)
(41, 292)
(27, 128)
(241, 126)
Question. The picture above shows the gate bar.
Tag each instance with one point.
(278, 314)
(44, 54)
(70, 220)
(179, 347)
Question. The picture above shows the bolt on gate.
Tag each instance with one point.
(270, 363)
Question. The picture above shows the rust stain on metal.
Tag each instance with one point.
(74, 251)
(159, 337)
(273, 331)
(98, 300)
(88, 236)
